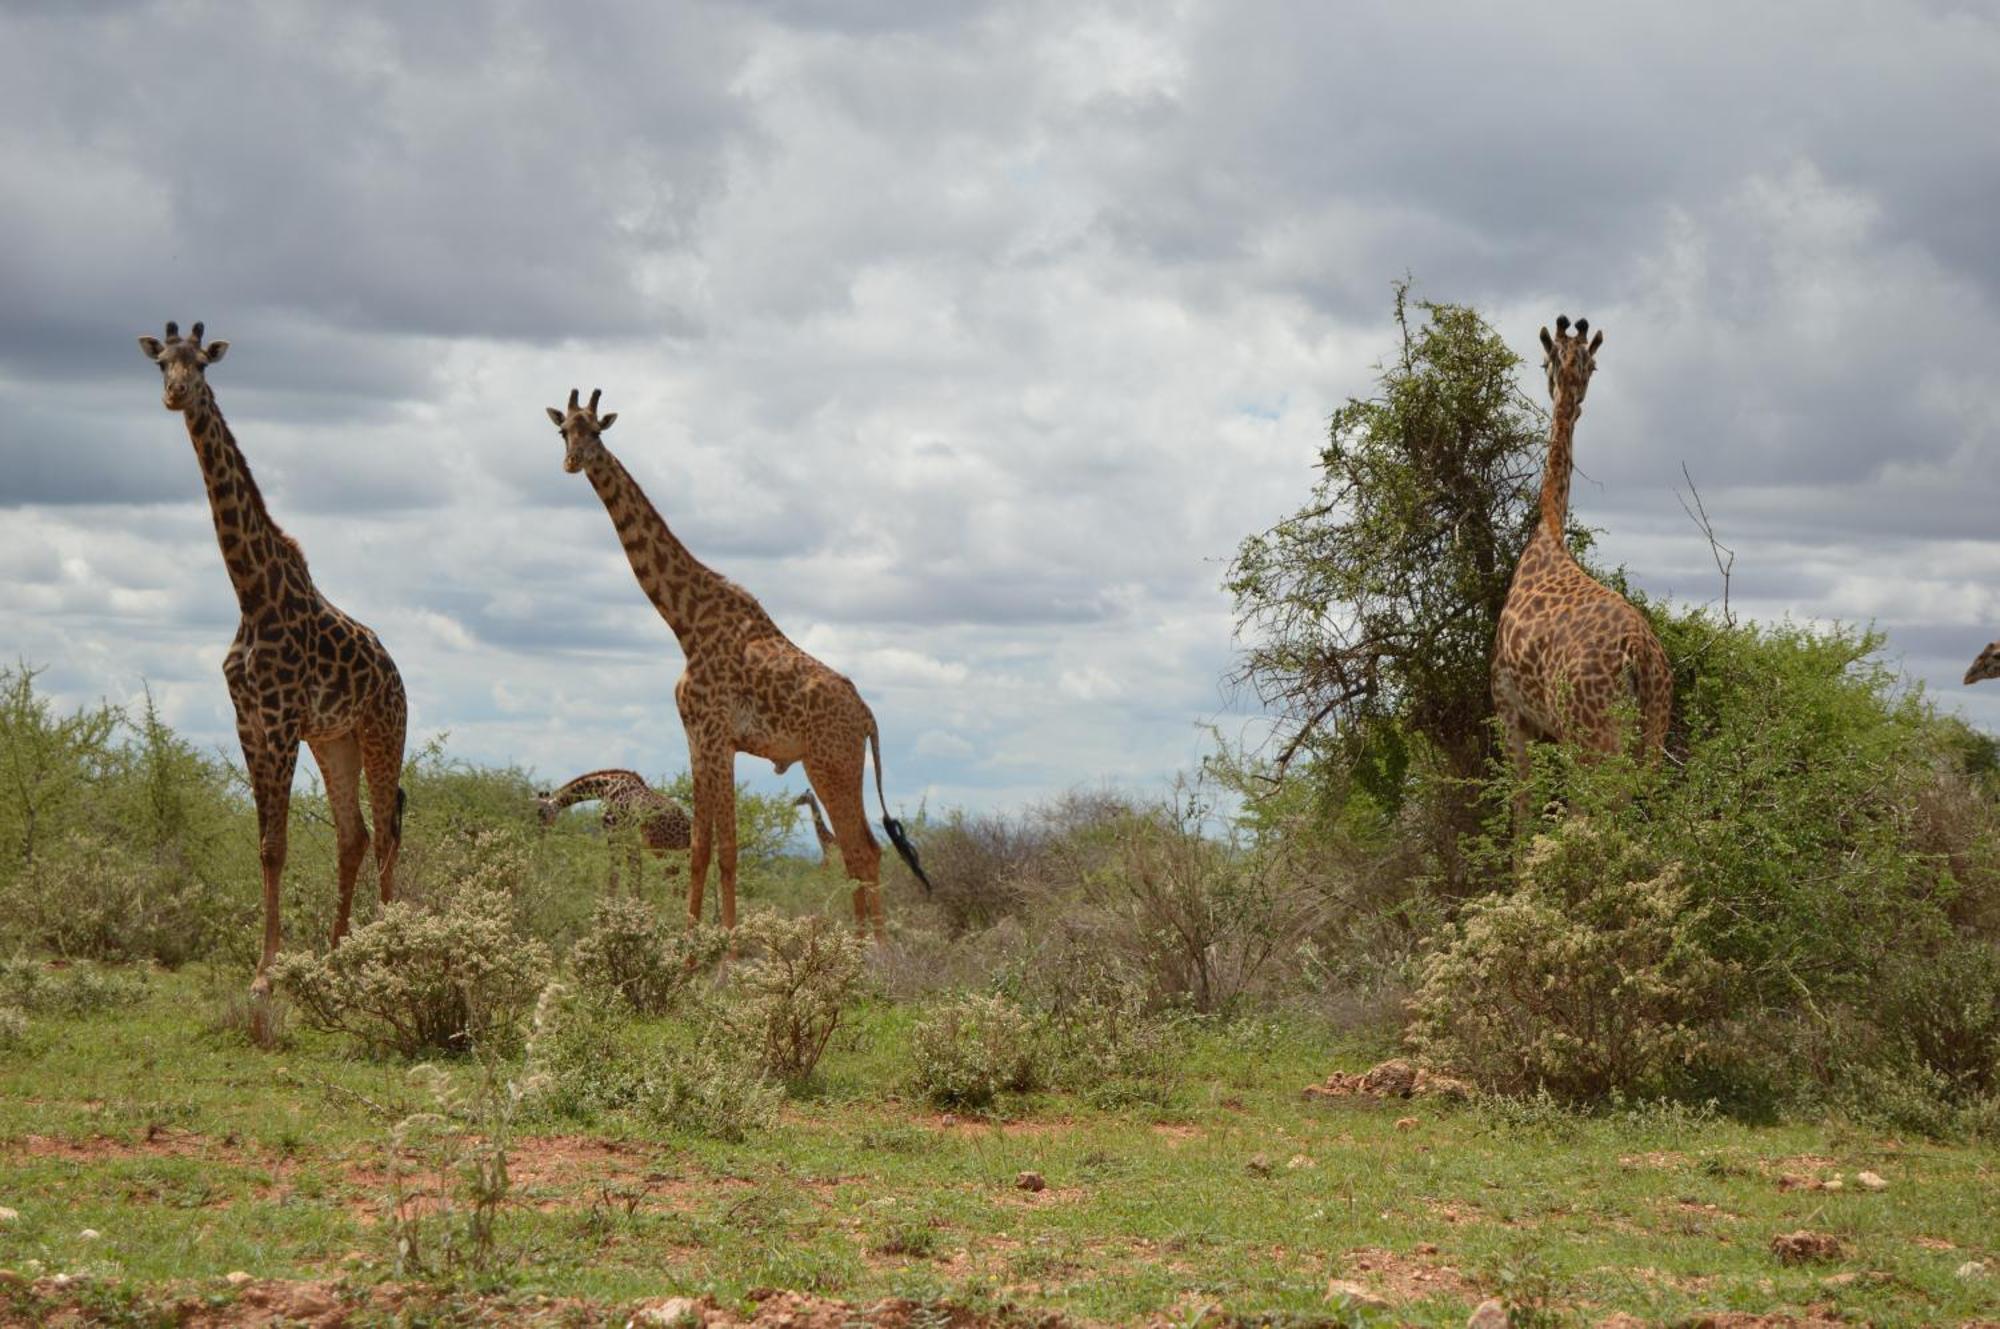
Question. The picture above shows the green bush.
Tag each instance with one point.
(636, 954)
(441, 978)
(78, 989)
(1096, 1032)
(966, 1051)
(1588, 979)
(13, 1027)
(93, 898)
(586, 1059)
(1942, 1012)
(789, 998)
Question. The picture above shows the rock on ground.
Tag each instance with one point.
(1490, 1315)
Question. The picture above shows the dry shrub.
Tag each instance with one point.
(966, 1051)
(788, 1000)
(636, 954)
(417, 980)
(1206, 920)
(1587, 979)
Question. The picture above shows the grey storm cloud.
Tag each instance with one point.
(971, 338)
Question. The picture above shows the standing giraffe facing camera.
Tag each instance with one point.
(299, 669)
(1569, 648)
(747, 688)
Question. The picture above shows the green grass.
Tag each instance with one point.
(194, 1155)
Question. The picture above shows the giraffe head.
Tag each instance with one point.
(580, 427)
(1986, 666)
(1570, 361)
(182, 364)
(546, 807)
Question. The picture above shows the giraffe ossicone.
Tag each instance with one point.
(746, 688)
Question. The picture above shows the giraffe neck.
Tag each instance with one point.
(596, 784)
(672, 578)
(253, 546)
(1555, 479)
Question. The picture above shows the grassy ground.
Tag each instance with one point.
(192, 1155)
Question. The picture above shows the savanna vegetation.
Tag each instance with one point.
(1686, 1009)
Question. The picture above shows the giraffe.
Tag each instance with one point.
(1568, 647)
(299, 669)
(1986, 666)
(628, 801)
(746, 688)
(821, 831)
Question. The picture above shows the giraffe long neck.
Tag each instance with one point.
(1555, 480)
(254, 549)
(672, 578)
(596, 784)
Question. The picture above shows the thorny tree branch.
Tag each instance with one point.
(1698, 514)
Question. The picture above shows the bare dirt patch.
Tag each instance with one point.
(158, 1142)
(1399, 1277)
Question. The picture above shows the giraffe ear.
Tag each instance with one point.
(1548, 342)
(605, 422)
(556, 416)
(1597, 341)
(216, 350)
(150, 347)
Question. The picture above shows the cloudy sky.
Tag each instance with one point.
(971, 338)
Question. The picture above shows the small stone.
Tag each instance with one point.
(671, 1311)
(1030, 1181)
(1804, 1247)
(1354, 1295)
(948, 1120)
(1490, 1315)
(1869, 1181)
(9, 1215)
(1298, 1163)
(89, 1234)
(1406, 1123)
(237, 1278)
(1427, 1248)
(1835, 1185)
(1259, 1165)
(1974, 1270)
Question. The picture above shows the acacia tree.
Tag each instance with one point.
(1367, 617)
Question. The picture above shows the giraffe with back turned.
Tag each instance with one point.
(299, 670)
(1569, 649)
(746, 688)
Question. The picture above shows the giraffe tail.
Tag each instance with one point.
(397, 824)
(897, 835)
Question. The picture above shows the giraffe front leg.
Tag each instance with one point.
(1515, 731)
(271, 783)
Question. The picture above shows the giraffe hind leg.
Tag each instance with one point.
(838, 785)
(340, 766)
(382, 762)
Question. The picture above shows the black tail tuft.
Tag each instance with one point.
(401, 798)
(901, 839)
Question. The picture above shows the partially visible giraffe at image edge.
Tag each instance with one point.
(1986, 666)
(1568, 648)
(630, 804)
(747, 688)
(299, 669)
